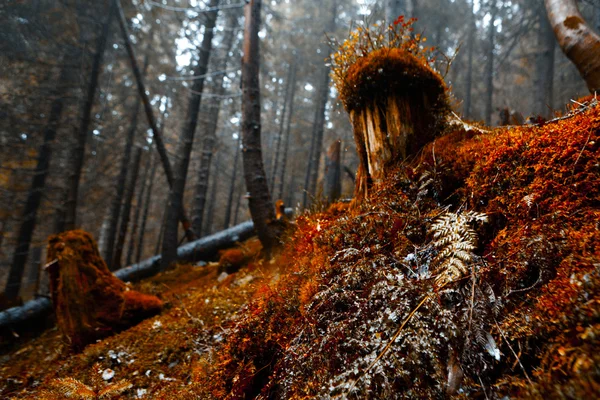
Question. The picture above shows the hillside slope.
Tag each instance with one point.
(472, 272)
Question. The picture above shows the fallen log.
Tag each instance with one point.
(205, 248)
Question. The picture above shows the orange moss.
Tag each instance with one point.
(388, 71)
(89, 301)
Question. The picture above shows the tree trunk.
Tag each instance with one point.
(286, 145)
(232, 185)
(314, 160)
(260, 203)
(210, 135)
(544, 80)
(279, 137)
(332, 187)
(156, 133)
(78, 154)
(470, 48)
(126, 214)
(117, 200)
(34, 197)
(140, 244)
(170, 238)
(210, 210)
(138, 212)
(393, 115)
(580, 44)
(489, 67)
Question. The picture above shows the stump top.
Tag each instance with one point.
(389, 71)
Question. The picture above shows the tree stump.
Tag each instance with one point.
(89, 301)
(397, 103)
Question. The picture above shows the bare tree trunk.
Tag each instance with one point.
(170, 238)
(140, 244)
(489, 67)
(332, 187)
(117, 200)
(544, 80)
(232, 185)
(78, 154)
(286, 146)
(312, 171)
(580, 44)
(34, 197)
(470, 48)
(126, 214)
(260, 203)
(138, 212)
(210, 135)
(279, 137)
(210, 210)
(156, 133)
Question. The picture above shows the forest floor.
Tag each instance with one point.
(472, 272)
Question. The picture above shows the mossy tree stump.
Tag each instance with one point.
(397, 104)
(89, 301)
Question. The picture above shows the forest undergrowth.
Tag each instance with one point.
(473, 271)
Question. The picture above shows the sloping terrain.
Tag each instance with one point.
(472, 272)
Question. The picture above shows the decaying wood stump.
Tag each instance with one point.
(397, 104)
(89, 301)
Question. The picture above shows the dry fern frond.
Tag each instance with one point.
(71, 388)
(114, 389)
(455, 240)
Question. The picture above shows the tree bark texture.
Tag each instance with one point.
(34, 197)
(170, 239)
(126, 214)
(260, 203)
(138, 212)
(286, 145)
(156, 133)
(78, 154)
(279, 137)
(393, 115)
(117, 200)
(332, 187)
(544, 80)
(576, 39)
(140, 241)
(312, 171)
(209, 137)
(212, 202)
(489, 66)
(470, 48)
(232, 184)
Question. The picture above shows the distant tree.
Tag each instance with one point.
(175, 205)
(544, 79)
(580, 43)
(78, 152)
(259, 199)
(489, 66)
(34, 198)
(393, 9)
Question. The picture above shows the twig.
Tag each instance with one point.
(513, 351)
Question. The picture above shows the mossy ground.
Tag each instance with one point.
(351, 307)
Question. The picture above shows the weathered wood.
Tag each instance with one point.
(397, 104)
(579, 43)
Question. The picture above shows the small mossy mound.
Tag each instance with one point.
(362, 311)
(89, 301)
(387, 72)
